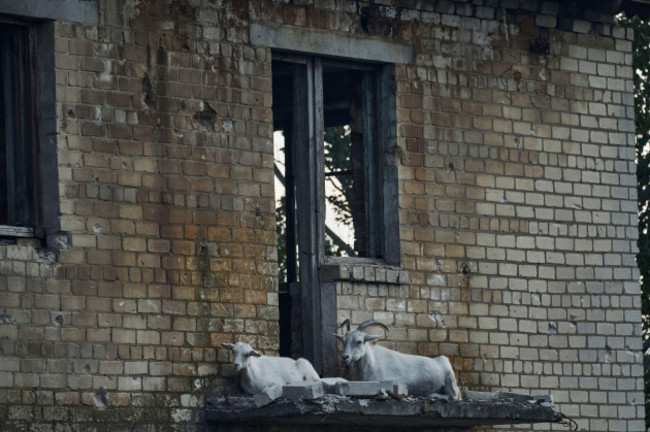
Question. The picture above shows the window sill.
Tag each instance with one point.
(362, 270)
(14, 231)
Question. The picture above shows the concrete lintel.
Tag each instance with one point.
(81, 11)
(325, 43)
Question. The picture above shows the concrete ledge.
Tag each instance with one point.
(325, 43)
(331, 410)
(81, 11)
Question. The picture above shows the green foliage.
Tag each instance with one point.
(641, 67)
(338, 157)
(281, 231)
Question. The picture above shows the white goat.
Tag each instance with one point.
(259, 371)
(423, 375)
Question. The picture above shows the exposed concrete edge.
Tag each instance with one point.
(81, 11)
(325, 43)
(409, 412)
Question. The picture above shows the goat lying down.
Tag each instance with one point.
(424, 376)
(259, 371)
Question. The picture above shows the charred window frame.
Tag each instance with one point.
(314, 95)
(28, 167)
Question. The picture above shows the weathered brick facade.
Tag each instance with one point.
(517, 208)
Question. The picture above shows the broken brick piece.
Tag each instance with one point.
(329, 384)
(267, 395)
(310, 390)
(358, 388)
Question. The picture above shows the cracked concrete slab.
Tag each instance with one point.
(405, 413)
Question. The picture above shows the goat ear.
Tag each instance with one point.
(368, 338)
(228, 346)
(254, 353)
(339, 337)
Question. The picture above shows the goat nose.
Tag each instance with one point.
(345, 356)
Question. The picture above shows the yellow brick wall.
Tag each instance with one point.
(517, 210)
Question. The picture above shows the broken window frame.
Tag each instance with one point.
(34, 131)
(308, 127)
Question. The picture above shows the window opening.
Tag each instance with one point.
(16, 128)
(29, 188)
(339, 192)
(350, 164)
(285, 206)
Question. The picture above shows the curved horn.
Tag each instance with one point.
(346, 323)
(364, 325)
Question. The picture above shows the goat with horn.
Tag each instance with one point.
(424, 376)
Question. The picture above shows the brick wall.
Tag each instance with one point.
(517, 210)
(165, 163)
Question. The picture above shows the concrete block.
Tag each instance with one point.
(401, 389)
(358, 388)
(394, 386)
(268, 395)
(329, 384)
(545, 400)
(477, 396)
(309, 390)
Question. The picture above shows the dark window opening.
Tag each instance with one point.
(29, 189)
(350, 145)
(285, 205)
(16, 128)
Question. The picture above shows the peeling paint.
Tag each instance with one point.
(552, 329)
(573, 320)
(100, 398)
(438, 318)
(608, 354)
(45, 256)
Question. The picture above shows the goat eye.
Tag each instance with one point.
(358, 342)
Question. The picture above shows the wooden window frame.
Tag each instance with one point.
(318, 308)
